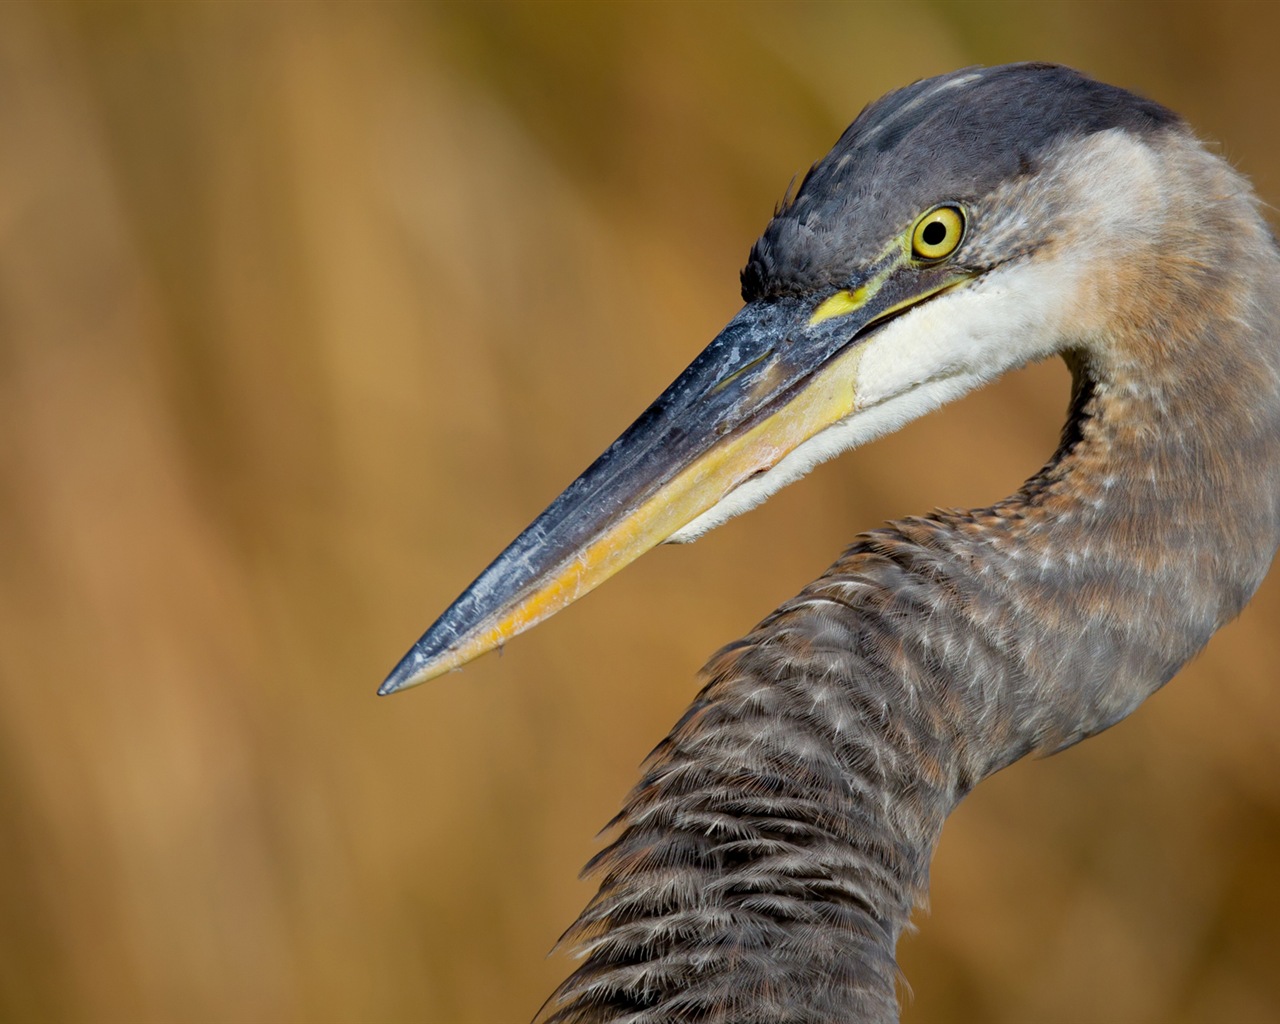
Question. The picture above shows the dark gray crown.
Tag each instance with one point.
(954, 137)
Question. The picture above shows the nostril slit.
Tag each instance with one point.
(740, 371)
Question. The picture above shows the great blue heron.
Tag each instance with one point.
(962, 226)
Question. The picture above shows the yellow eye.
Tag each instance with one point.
(937, 233)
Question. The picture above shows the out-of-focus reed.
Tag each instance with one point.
(305, 310)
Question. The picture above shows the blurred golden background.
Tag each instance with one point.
(305, 310)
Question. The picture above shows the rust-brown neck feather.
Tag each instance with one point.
(771, 855)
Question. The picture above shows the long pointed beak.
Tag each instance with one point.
(778, 374)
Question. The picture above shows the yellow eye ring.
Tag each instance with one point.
(938, 233)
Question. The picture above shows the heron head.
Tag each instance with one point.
(960, 227)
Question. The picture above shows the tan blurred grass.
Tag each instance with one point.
(304, 311)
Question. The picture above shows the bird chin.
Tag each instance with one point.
(856, 429)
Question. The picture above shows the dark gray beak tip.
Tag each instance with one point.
(404, 674)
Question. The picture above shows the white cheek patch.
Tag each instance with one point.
(1013, 316)
(1016, 314)
(930, 355)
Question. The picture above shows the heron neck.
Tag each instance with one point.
(770, 858)
(1150, 527)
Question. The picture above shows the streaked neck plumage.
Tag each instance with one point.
(771, 856)
(769, 859)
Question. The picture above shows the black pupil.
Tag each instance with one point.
(934, 233)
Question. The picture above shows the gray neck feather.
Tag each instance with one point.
(771, 855)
